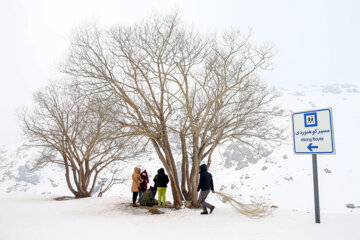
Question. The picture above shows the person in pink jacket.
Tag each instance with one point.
(143, 184)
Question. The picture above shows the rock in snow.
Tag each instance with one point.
(187, 204)
(350, 205)
(289, 179)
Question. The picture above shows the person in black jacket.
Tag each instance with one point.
(161, 180)
(205, 185)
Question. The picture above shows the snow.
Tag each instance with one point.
(41, 217)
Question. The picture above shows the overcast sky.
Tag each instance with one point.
(318, 41)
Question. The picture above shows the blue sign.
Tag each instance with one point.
(313, 132)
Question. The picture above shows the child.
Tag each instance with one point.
(143, 184)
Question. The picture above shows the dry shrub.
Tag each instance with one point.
(152, 209)
(253, 210)
(63, 198)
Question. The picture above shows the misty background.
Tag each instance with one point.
(317, 40)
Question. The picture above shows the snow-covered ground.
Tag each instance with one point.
(276, 176)
(24, 217)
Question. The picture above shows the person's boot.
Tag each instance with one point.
(204, 213)
(135, 205)
(212, 209)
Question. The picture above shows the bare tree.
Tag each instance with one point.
(172, 83)
(106, 184)
(224, 101)
(76, 132)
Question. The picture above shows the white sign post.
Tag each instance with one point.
(313, 134)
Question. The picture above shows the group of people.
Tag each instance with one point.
(140, 181)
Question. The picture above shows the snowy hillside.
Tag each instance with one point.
(276, 176)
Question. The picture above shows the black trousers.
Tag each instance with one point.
(135, 194)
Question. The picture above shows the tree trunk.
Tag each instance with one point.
(176, 193)
(174, 185)
(79, 180)
(184, 169)
(194, 181)
(67, 176)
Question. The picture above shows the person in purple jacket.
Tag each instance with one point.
(205, 185)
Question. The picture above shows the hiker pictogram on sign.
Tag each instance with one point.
(310, 119)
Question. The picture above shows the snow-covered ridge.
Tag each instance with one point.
(275, 175)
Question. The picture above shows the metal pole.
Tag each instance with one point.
(316, 189)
